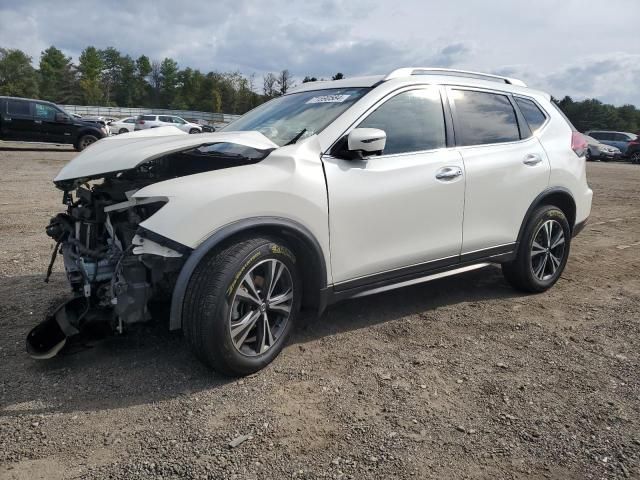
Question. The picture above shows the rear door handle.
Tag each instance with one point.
(38, 122)
(532, 159)
(448, 173)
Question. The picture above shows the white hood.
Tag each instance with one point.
(123, 152)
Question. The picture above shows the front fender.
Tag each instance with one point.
(180, 289)
(286, 189)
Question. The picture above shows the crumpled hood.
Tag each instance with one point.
(126, 151)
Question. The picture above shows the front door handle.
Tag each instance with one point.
(39, 122)
(532, 159)
(448, 173)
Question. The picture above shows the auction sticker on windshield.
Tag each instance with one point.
(328, 99)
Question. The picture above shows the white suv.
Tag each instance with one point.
(335, 190)
(154, 121)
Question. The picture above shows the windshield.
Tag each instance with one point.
(298, 115)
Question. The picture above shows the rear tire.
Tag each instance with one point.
(222, 322)
(635, 157)
(542, 252)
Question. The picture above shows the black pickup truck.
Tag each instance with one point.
(28, 120)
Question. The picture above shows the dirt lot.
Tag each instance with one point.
(458, 378)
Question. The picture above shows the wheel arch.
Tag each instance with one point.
(304, 243)
(558, 196)
(87, 131)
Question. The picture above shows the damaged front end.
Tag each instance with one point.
(116, 268)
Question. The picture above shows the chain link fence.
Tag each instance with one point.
(121, 112)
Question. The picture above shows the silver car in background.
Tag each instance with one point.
(153, 121)
(600, 151)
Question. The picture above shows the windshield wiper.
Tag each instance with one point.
(296, 138)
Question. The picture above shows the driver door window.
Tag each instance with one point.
(45, 112)
(412, 120)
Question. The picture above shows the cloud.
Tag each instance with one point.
(357, 37)
(612, 78)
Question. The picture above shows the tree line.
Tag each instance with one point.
(108, 77)
(592, 114)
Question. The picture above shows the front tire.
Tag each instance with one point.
(542, 252)
(194, 130)
(123, 130)
(241, 304)
(84, 141)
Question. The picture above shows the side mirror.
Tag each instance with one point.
(366, 141)
(61, 117)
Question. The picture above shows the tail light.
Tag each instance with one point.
(634, 142)
(579, 144)
(140, 122)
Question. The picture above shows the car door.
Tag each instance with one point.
(621, 141)
(608, 138)
(165, 120)
(400, 211)
(506, 168)
(17, 121)
(180, 123)
(51, 129)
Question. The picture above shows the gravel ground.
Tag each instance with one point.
(459, 378)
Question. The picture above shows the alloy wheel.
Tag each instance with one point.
(261, 307)
(635, 157)
(547, 250)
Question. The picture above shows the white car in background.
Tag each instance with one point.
(153, 121)
(123, 125)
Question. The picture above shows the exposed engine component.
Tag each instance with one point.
(112, 276)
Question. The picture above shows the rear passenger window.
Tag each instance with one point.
(18, 107)
(485, 118)
(149, 117)
(413, 121)
(532, 113)
(165, 119)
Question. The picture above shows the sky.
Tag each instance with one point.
(582, 48)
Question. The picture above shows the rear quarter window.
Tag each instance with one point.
(534, 116)
(484, 118)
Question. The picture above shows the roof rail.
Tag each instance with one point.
(408, 71)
